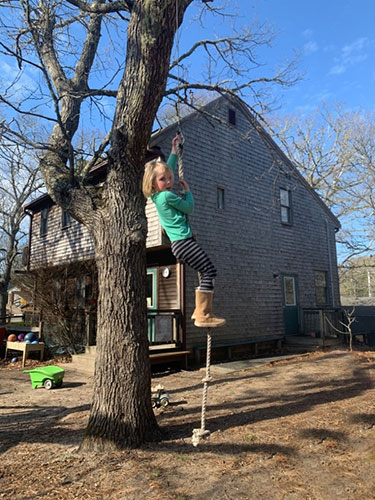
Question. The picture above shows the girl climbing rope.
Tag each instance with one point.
(173, 214)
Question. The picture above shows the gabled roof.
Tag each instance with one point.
(273, 146)
(97, 174)
(264, 135)
(99, 171)
(39, 203)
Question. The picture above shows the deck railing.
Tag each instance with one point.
(321, 322)
(164, 326)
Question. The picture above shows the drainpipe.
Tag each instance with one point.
(330, 270)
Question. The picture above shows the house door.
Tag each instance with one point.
(290, 305)
(152, 305)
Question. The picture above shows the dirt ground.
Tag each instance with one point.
(296, 430)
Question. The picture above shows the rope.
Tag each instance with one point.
(202, 433)
(180, 153)
(180, 148)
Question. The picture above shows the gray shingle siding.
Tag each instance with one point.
(59, 246)
(74, 243)
(246, 240)
(249, 245)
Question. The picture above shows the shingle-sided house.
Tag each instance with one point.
(269, 234)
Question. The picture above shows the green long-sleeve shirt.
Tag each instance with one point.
(173, 209)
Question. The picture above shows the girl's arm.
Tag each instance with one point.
(185, 206)
(172, 160)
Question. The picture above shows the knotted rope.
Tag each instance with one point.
(203, 433)
(180, 152)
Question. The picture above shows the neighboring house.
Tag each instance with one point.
(269, 234)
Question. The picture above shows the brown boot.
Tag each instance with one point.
(203, 310)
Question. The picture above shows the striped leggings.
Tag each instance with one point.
(188, 251)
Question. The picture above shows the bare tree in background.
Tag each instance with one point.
(19, 180)
(83, 54)
(347, 323)
(57, 291)
(335, 151)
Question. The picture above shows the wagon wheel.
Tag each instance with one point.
(164, 402)
(48, 384)
(59, 383)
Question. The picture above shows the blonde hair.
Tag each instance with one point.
(150, 173)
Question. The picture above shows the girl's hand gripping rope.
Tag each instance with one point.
(176, 144)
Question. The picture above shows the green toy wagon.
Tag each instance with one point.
(46, 376)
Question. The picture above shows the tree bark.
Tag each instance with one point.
(3, 301)
(121, 414)
(7, 270)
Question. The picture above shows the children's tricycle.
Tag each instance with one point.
(46, 376)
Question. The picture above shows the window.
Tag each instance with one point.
(65, 219)
(321, 288)
(290, 298)
(151, 289)
(43, 221)
(285, 206)
(231, 116)
(220, 198)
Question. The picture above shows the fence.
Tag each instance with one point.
(321, 323)
(164, 326)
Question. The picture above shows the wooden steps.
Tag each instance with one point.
(86, 362)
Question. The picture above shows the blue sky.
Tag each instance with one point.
(335, 40)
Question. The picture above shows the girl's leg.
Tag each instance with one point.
(191, 253)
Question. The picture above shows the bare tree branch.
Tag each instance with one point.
(103, 8)
(334, 150)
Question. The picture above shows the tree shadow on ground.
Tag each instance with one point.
(300, 403)
(325, 391)
(322, 434)
(363, 418)
(220, 381)
(269, 449)
(38, 424)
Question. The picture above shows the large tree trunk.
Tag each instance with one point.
(5, 280)
(3, 300)
(121, 415)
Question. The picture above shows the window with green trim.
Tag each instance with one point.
(151, 288)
